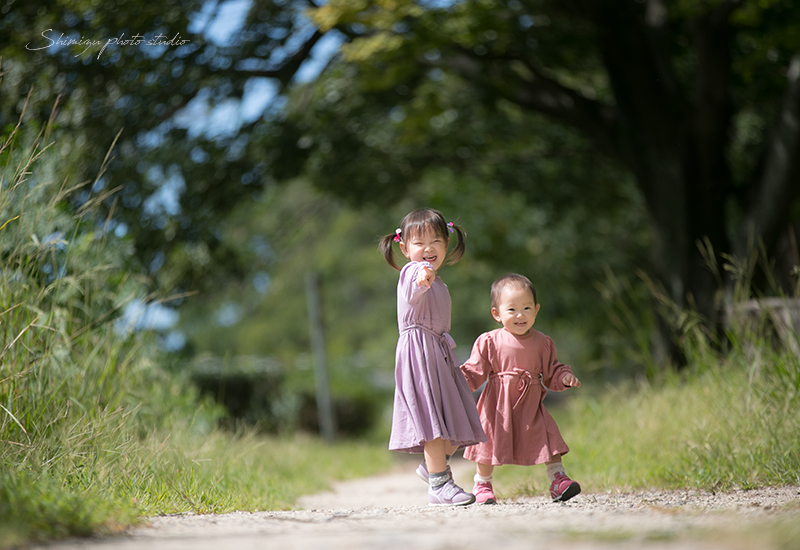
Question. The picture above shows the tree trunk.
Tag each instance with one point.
(675, 144)
(676, 149)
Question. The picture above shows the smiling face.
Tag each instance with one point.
(425, 246)
(516, 310)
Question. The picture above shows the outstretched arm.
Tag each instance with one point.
(425, 276)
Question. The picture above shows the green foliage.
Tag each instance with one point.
(75, 385)
(295, 230)
(419, 88)
(156, 97)
(717, 430)
(96, 430)
(724, 422)
(455, 85)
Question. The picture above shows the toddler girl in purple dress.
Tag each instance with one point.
(434, 412)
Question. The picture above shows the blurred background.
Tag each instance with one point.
(620, 153)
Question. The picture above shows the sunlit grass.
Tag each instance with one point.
(719, 426)
(221, 472)
(173, 474)
(95, 432)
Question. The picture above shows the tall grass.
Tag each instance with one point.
(75, 387)
(94, 431)
(717, 429)
(727, 420)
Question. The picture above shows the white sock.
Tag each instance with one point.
(480, 479)
(554, 468)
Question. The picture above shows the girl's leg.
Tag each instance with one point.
(449, 448)
(424, 468)
(483, 491)
(485, 470)
(436, 456)
(442, 490)
(554, 466)
(562, 488)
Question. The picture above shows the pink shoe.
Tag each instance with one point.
(563, 488)
(483, 493)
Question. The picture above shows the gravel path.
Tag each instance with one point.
(385, 513)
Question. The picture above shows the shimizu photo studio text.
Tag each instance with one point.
(55, 39)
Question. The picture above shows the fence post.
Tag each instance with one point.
(325, 414)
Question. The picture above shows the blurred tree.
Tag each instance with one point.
(170, 78)
(699, 102)
(294, 229)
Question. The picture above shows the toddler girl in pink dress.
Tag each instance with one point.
(519, 365)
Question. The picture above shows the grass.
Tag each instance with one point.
(172, 474)
(727, 421)
(95, 433)
(223, 473)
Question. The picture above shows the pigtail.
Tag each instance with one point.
(385, 245)
(424, 219)
(460, 247)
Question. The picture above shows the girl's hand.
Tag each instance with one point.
(571, 381)
(425, 276)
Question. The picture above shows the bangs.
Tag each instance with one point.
(419, 222)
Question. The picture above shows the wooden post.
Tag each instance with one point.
(327, 420)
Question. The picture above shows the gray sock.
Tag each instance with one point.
(439, 479)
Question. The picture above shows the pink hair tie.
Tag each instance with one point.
(397, 235)
(450, 226)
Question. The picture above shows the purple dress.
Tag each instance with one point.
(431, 398)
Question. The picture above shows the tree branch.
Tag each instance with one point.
(287, 70)
(543, 94)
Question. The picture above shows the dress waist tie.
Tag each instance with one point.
(523, 384)
(445, 340)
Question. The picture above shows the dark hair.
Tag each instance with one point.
(417, 222)
(511, 280)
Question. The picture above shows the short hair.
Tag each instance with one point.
(511, 280)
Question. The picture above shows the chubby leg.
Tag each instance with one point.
(436, 455)
(554, 466)
(432, 453)
(485, 470)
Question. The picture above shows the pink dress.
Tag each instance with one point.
(431, 398)
(517, 370)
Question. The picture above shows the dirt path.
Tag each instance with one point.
(386, 512)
